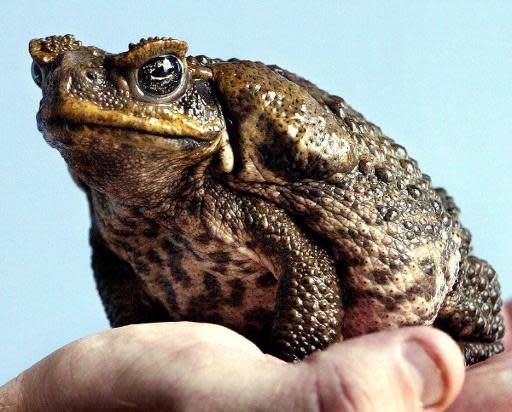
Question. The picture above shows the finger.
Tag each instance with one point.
(488, 386)
(408, 369)
(404, 370)
(142, 367)
(507, 314)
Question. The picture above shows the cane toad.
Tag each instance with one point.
(239, 193)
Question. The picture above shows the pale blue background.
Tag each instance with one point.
(437, 77)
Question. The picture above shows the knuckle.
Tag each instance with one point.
(334, 392)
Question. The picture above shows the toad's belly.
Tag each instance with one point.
(194, 274)
(225, 289)
(203, 280)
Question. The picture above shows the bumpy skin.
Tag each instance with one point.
(247, 196)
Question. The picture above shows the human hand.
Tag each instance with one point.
(187, 366)
(488, 385)
(191, 366)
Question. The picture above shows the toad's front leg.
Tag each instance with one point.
(308, 311)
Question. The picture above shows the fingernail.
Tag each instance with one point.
(425, 373)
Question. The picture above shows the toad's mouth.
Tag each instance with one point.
(67, 134)
(66, 113)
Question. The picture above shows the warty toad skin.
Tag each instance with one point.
(241, 194)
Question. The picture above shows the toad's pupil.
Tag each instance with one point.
(164, 68)
(160, 75)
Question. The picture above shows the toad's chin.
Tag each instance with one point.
(120, 162)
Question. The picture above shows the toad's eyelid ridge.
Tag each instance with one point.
(147, 49)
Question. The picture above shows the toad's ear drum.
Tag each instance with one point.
(281, 132)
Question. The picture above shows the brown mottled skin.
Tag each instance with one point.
(241, 194)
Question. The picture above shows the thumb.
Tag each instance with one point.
(410, 369)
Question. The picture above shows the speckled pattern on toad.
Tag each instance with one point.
(239, 193)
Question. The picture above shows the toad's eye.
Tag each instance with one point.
(37, 74)
(160, 76)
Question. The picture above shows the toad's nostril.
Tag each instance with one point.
(91, 75)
